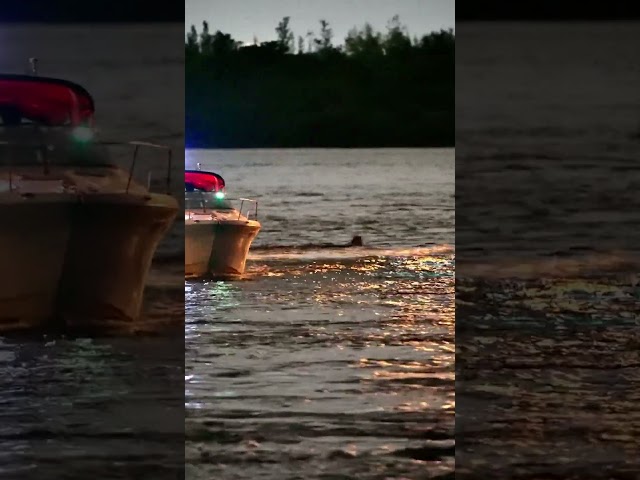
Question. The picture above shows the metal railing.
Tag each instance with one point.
(202, 203)
(255, 210)
(137, 145)
(42, 149)
(205, 201)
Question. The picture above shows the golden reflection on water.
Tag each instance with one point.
(419, 314)
(413, 298)
(407, 311)
(603, 297)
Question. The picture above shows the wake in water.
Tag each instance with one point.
(310, 252)
(581, 266)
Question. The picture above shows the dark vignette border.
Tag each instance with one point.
(547, 217)
(125, 416)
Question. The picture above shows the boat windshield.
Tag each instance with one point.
(198, 200)
(27, 146)
(204, 190)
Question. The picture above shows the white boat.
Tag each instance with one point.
(217, 235)
(78, 232)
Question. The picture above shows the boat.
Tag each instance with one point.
(79, 232)
(218, 236)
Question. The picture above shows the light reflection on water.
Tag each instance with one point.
(73, 406)
(323, 362)
(547, 374)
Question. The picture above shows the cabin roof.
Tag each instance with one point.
(206, 181)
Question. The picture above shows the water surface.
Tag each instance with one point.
(328, 362)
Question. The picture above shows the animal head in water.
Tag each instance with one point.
(356, 241)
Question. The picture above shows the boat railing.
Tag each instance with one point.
(255, 207)
(202, 203)
(42, 152)
(137, 145)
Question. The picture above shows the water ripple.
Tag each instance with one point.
(323, 365)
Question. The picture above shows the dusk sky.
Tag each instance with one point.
(247, 18)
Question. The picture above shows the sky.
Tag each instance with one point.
(248, 18)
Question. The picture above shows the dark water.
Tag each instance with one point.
(548, 132)
(547, 294)
(112, 408)
(328, 362)
(82, 408)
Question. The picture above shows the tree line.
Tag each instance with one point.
(374, 90)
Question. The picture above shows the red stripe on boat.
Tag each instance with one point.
(207, 181)
(45, 100)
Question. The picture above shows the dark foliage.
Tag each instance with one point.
(375, 90)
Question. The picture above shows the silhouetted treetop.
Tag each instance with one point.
(285, 35)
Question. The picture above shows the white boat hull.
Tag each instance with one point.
(218, 249)
(78, 266)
